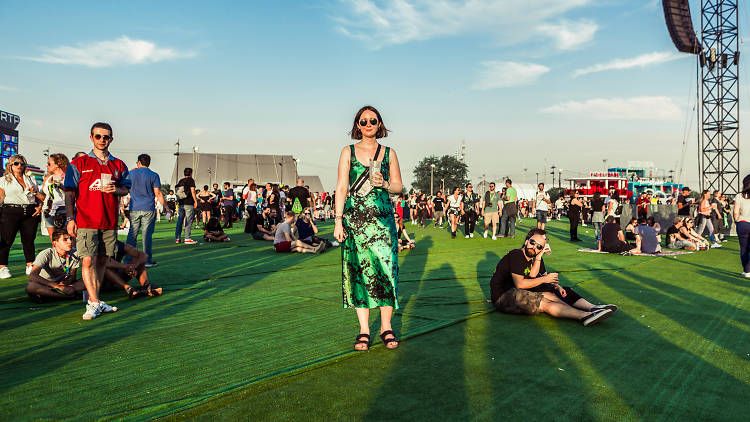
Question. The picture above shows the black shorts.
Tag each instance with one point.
(258, 235)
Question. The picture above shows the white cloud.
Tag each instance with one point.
(641, 61)
(636, 108)
(570, 35)
(8, 88)
(197, 131)
(393, 22)
(120, 51)
(497, 74)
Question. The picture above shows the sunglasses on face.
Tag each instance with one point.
(18, 163)
(535, 244)
(373, 121)
(105, 137)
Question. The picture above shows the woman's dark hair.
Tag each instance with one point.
(356, 133)
(610, 219)
(253, 186)
(205, 187)
(597, 196)
(746, 187)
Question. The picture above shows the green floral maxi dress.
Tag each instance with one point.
(369, 254)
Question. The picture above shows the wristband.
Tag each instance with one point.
(69, 219)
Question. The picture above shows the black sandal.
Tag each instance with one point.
(358, 341)
(390, 340)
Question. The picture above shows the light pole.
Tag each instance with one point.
(553, 167)
(537, 178)
(606, 175)
(195, 158)
(525, 169)
(432, 172)
(559, 178)
(177, 144)
(442, 182)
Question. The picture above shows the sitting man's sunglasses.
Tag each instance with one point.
(373, 122)
(535, 244)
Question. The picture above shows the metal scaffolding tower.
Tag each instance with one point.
(719, 143)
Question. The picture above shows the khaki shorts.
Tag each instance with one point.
(519, 301)
(491, 217)
(96, 242)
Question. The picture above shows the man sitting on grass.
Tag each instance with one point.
(53, 274)
(262, 228)
(308, 231)
(118, 274)
(521, 285)
(212, 232)
(285, 241)
(646, 238)
(612, 240)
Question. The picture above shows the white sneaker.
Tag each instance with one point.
(92, 311)
(28, 269)
(471, 235)
(485, 234)
(103, 307)
(467, 236)
(5, 273)
(334, 243)
(716, 245)
(747, 275)
(494, 237)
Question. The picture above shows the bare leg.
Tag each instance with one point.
(363, 316)
(114, 278)
(583, 304)
(88, 272)
(552, 305)
(99, 271)
(386, 312)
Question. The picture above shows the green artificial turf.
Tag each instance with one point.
(244, 333)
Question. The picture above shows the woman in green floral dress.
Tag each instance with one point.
(366, 229)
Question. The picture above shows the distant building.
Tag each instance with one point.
(314, 182)
(236, 168)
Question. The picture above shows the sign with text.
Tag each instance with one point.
(9, 120)
(604, 174)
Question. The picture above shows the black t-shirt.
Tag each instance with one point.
(213, 225)
(438, 203)
(218, 196)
(610, 238)
(597, 205)
(673, 233)
(685, 210)
(301, 193)
(260, 220)
(187, 183)
(514, 262)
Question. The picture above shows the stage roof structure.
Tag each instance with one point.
(211, 168)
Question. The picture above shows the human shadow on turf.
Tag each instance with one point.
(651, 373)
(426, 378)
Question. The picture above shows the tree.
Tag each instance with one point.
(555, 193)
(447, 167)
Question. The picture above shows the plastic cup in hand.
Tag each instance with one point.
(374, 170)
(105, 179)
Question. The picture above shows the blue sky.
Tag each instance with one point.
(566, 82)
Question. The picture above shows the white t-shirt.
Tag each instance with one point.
(52, 189)
(559, 204)
(15, 193)
(454, 202)
(744, 204)
(541, 201)
(280, 230)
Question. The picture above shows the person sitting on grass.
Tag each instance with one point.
(688, 230)
(308, 230)
(212, 231)
(404, 241)
(676, 239)
(118, 273)
(612, 240)
(521, 285)
(646, 238)
(262, 228)
(630, 230)
(53, 273)
(285, 241)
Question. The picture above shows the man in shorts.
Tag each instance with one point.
(521, 285)
(491, 206)
(53, 274)
(541, 204)
(118, 273)
(262, 228)
(285, 241)
(94, 184)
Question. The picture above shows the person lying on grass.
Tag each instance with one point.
(521, 285)
(54, 271)
(212, 231)
(118, 273)
(285, 241)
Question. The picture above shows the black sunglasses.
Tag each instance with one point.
(534, 243)
(106, 137)
(373, 121)
(18, 163)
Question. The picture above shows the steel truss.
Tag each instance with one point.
(719, 158)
